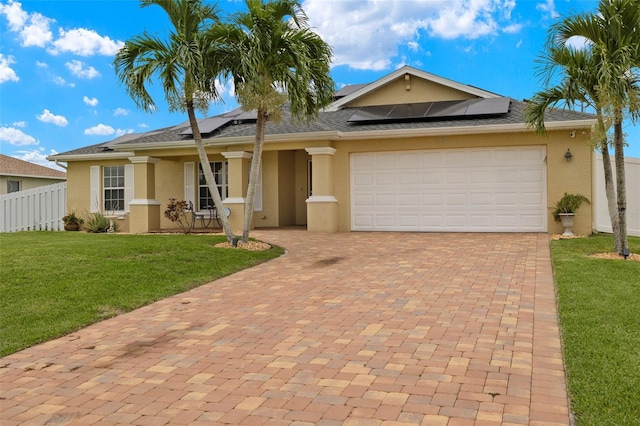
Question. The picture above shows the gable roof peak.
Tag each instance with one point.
(406, 69)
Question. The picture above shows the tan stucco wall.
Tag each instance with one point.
(79, 188)
(284, 178)
(26, 182)
(286, 188)
(301, 185)
(419, 91)
(561, 176)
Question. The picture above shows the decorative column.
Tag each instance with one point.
(322, 206)
(144, 213)
(238, 169)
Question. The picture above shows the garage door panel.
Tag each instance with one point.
(456, 177)
(475, 190)
(385, 179)
(431, 178)
(363, 201)
(408, 200)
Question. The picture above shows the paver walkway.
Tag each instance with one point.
(347, 328)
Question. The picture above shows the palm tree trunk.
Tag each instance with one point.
(609, 187)
(261, 124)
(611, 197)
(621, 187)
(208, 173)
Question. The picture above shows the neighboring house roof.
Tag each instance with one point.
(10, 166)
(238, 127)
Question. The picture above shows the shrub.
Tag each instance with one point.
(177, 211)
(98, 223)
(569, 203)
(71, 217)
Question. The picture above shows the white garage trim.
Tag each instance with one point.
(450, 190)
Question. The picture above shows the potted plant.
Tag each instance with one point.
(565, 210)
(72, 221)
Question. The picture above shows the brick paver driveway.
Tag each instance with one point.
(347, 328)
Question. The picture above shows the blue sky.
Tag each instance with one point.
(59, 91)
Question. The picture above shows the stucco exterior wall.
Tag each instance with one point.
(301, 185)
(561, 176)
(285, 174)
(26, 182)
(419, 91)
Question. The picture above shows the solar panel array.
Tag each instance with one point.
(211, 124)
(432, 110)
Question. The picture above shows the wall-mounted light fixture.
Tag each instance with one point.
(568, 155)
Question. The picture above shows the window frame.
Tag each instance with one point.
(108, 187)
(222, 181)
(13, 181)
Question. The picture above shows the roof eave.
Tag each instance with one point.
(110, 155)
(34, 176)
(466, 130)
(335, 106)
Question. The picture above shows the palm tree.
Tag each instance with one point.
(613, 36)
(578, 85)
(274, 59)
(183, 65)
(609, 80)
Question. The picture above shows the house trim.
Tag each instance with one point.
(322, 199)
(411, 71)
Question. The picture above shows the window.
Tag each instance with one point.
(113, 185)
(220, 173)
(13, 186)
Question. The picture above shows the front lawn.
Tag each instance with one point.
(53, 283)
(599, 308)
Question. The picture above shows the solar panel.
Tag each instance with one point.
(489, 106)
(208, 125)
(432, 110)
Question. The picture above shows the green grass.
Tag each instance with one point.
(53, 283)
(599, 308)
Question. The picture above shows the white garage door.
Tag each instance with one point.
(452, 190)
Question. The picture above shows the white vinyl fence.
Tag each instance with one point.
(34, 209)
(602, 222)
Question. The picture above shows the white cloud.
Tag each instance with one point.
(16, 137)
(61, 82)
(518, 44)
(37, 33)
(143, 125)
(20, 124)
(78, 69)
(121, 132)
(42, 64)
(6, 72)
(512, 29)
(14, 14)
(366, 34)
(100, 130)
(38, 156)
(120, 111)
(33, 29)
(90, 101)
(48, 117)
(548, 8)
(577, 42)
(84, 42)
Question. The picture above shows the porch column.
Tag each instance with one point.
(144, 209)
(238, 163)
(322, 206)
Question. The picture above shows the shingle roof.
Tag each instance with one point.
(10, 166)
(336, 121)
